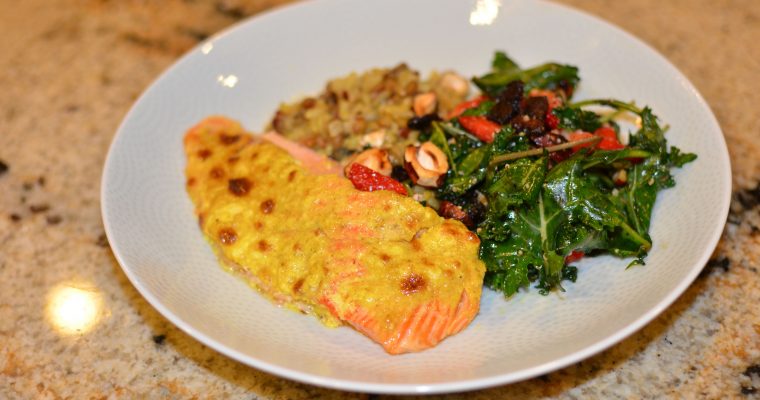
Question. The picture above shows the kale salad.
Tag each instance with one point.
(544, 180)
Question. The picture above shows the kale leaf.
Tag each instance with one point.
(576, 118)
(502, 62)
(516, 183)
(438, 138)
(531, 244)
(545, 76)
(480, 110)
(467, 173)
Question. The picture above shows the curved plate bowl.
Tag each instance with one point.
(246, 71)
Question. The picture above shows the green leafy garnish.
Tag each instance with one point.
(539, 209)
(505, 70)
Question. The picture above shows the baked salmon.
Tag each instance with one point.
(302, 235)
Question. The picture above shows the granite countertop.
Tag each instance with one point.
(70, 71)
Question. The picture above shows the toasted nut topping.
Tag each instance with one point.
(374, 159)
(374, 139)
(620, 177)
(425, 104)
(335, 128)
(426, 164)
(455, 83)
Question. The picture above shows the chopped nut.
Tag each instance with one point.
(374, 159)
(425, 103)
(359, 124)
(482, 199)
(455, 83)
(426, 164)
(335, 128)
(620, 177)
(374, 139)
(308, 102)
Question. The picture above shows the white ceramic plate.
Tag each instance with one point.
(246, 71)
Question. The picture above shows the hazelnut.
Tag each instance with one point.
(425, 104)
(455, 83)
(374, 159)
(374, 139)
(620, 177)
(426, 164)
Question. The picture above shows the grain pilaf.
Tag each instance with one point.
(369, 109)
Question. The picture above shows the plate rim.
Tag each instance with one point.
(409, 388)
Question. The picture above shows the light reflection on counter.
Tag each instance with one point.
(74, 308)
(485, 12)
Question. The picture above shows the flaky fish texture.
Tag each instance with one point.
(306, 238)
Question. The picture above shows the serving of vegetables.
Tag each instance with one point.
(542, 180)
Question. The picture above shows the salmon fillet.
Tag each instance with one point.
(306, 238)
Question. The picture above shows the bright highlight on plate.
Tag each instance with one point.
(228, 81)
(485, 12)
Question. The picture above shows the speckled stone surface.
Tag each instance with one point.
(69, 71)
